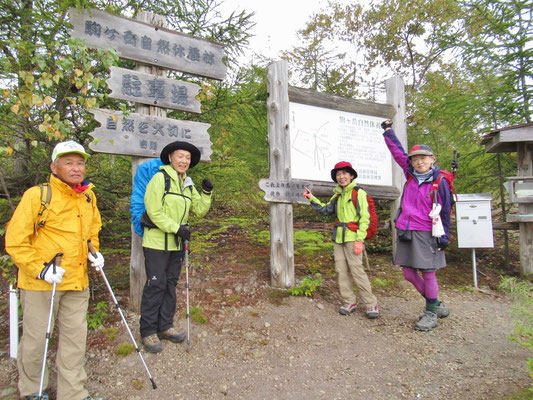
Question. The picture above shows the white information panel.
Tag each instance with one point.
(321, 137)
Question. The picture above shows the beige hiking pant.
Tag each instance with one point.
(70, 310)
(346, 264)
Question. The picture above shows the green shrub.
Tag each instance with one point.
(522, 313)
(308, 286)
(96, 319)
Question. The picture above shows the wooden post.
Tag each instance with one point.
(137, 271)
(395, 89)
(525, 168)
(281, 216)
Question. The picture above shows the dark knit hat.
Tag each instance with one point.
(345, 165)
(171, 147)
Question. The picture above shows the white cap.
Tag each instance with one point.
(67, 147)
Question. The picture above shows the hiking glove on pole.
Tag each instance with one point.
(97, 260)
(51, 275)
(184, 232)
(207, 185)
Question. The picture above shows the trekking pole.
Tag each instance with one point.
(93, 252)
(187, 292)
(56, 262)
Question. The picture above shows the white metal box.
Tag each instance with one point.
(474, 220)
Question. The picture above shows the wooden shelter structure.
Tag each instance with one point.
(519, 139)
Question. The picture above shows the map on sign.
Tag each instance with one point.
(321, 137)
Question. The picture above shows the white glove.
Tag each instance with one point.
(49, 276)
(97, 261)
(437, 230)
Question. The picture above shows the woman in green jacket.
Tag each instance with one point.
(349, 234)
(170, 196)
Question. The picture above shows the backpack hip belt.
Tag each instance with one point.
(353, 226)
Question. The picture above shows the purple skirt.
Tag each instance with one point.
(420, 252)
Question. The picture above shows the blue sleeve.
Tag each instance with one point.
(144, 173)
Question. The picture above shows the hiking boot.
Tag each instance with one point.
(172, 334)
(36, 396)
(442, 311)
(427, 322)
(152, 344)
(372, 312)
(347, 309)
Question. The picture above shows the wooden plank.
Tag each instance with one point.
(321, 189)
(313, 98)
(137, 270)
(145, 135)
(281, 215)
(149, 89)
(495, 145)
(284, 190)
(148, 44)
(525, 168)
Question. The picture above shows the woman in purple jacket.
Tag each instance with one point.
(417, 251)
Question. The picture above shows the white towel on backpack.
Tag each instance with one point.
(437, 230)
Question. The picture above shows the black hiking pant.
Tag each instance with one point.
(158, 303)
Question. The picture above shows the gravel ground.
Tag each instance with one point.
(301, 348)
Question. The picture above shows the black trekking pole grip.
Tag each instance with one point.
(57, 261)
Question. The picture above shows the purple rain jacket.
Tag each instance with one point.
(416, 200)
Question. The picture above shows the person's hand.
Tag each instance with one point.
(207, 185)
(358, 247)
(184, 232)
(308, 193)
(51, 273)
(386, 125)
(97, 260)
(442, 245)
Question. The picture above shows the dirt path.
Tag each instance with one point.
(302, 348)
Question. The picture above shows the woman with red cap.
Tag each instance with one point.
(349, 234)
(417, 250)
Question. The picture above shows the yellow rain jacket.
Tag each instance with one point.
(71, 219)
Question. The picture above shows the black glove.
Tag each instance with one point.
(184, 232)
(443, 245)
(386, 124)
(207, 185)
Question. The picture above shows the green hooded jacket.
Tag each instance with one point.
(171, 211)
(346, 212)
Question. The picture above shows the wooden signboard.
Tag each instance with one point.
(153, 90)
(285, 191)
(145, 135)
(148, 44)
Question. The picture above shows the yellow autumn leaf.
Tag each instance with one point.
(78, 72)
(15, 108)
(48, 100)
(114, 117)
(9, 150)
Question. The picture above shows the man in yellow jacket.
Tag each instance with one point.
(32, 240)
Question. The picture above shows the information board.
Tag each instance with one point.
(321, 137)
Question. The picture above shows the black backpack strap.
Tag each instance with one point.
(167, 182)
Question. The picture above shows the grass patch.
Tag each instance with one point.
(198, 316)
(125, 349)
(137, 384)
(110, 333)
(383, 283)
